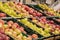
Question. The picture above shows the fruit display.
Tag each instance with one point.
(49, 11)
(18, 10)
(27, 23)
(31, 11)
(15, 31)
(49, 25)
(35, 28)
(8, 10)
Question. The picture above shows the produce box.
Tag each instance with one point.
(36, 26)
(55, 36)
(7, 26)
(30, 31)
(27, 29)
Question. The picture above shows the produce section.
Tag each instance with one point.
(49, 25)
(28, 23)
(49, 11)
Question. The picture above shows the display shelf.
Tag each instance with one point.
(32, 18)
(14, 20)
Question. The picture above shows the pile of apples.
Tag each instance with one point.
(30, 10)
(4, 7)
(25, 10)
(49, 11)
(49, 25)
(15, 31)
(18, 10)
(32, 26)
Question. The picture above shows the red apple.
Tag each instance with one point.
(39, 14)
(21, 29)
(10, 23)
(1, 30)
(3, 37)
(34, 14)
(31, 12)
(34, 36)
(26, 8)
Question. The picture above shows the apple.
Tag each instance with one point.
(34, 36)
(4, 37)
(34, 14)
(1, 30)
(10, 23)
(31, 12)
(1, 23)
(21, 29)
